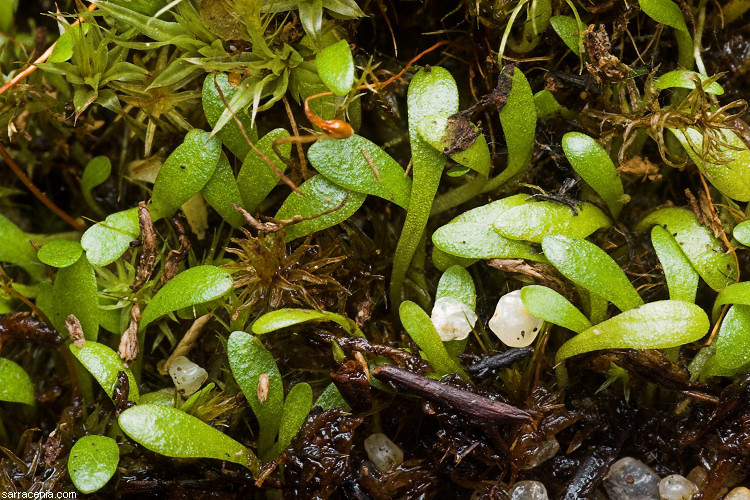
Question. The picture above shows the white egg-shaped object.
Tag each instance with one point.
(452, 318)
(186, 375)
(512, 323)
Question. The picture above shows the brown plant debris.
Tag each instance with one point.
(640, 168)
(268, 274)
(128, 350)
(148, 248)
(175, 257)
(318, 459)
(75, 331)
(603, 65)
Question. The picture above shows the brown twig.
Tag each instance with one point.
(476, 408)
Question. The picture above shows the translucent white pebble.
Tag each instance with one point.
(528, 490)
(698, 475)
(546, 450)
(512, 323)
(630, 479)
(186, 375)
(452, 319)
(740, 493)
(677, 487)
(383, 453)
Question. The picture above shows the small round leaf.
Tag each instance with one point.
(92, 462)
(60, 253)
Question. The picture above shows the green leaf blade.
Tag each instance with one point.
(92, 462)
(296, 408)
(471, 234)
(103, 363)
(15, 383)
(700, 246)
(420, 328)
(336, 67)
(567, 29)
(213, 107)
(731, 173)
(345, 163)
(533, 221)
(249, 360)
(733, 340)
(320, 195)
(595, 167)
(664, 12)
(185, 171)
(60, 253)
(256, 179)
(589, 266)
(174, 433)
(193, 286)
(547, 304)
(657, 325)
(106, 241)
(221, 192)
(682, 278)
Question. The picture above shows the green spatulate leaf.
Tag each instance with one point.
(15, 383)
(283, 318)
(730, 173)
(296, 408)
(174, 433)
(336, 67)
(533, 221)
(185, 171)
(657, 325)
(733, 341)
(545, 303)
(589, 266)
(321, 195)
(256, 178)
(230, 134)
(345, 163)
(595, 167)
(92, 462)
(221, 192)
(249, 360)
(60, 253)
(193, 286)
(471, 234)
(700, 246)
(420, 328)
(104, 363)
(106, 241)
(682, 278)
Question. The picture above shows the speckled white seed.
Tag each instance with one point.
(512, 323)
(528, 490)
(382, 452)
(676, 487)
(740, 493)
(186, 375)
(452, 318)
